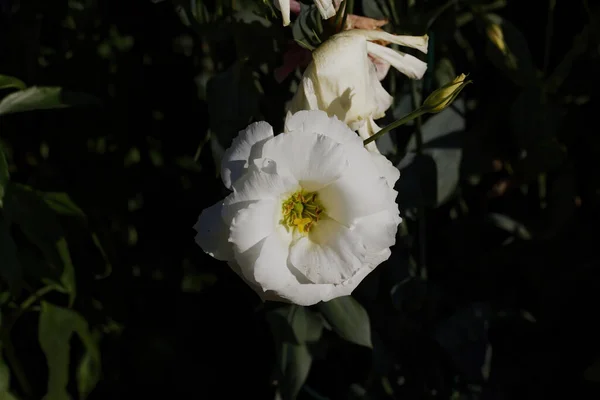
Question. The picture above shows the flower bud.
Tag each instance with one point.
(444, 96)
(494, 33)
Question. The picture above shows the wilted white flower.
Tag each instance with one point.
(311, 212)
(342, 80)
(327, 8)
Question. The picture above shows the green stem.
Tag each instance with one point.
(348, 9)
(421, 215)
(35, 297)
(549, 29)
(415, 114)
(15, 365)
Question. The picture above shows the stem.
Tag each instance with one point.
(549, 29)
(394, 125)
(34, 297)
(15, 365)
(421, 217)
(11, 356)
(348, 8)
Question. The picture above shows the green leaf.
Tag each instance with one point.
(27, 208)
(233, 100)
(88, 370)
(62, 204)
(56, 326)
(308, 27)
(108, 265)
(42, 98)
(295, 324)
(67, 279)
(4, 174)
(4, 376)
(7, 396)
(9, 82)
(348, 319)
(34, 98)
(515, 61)
(10, 269)
(592, 373)
(431, 178)
(377, 9)
(294, 363)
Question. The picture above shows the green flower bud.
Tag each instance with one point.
(444, 96)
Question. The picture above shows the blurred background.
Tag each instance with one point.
(490, 292)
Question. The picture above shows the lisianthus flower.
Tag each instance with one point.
(342, 80)
(296, 56)
(327, 8)
(311, 212)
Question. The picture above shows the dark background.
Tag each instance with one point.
(213, 341)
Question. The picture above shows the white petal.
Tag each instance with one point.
(319, 122)
(213, 234)
(386, 169)
(416, 42)
(341, 78)
(409, 65)
(254, 223)
(378, 231)
(313, 159)
(382, 67)
(271, 266)
(360, 191)
(284, 6)
(244, 148)
(382, 99)
(326, 8)
(368, 130)
(305, 97)
(309, 294)
(256, 184)
(331, 253)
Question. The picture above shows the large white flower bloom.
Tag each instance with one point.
(311, 212)
(342, 80)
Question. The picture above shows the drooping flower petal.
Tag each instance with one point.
(416, 42)
(326, 8)
(284, 6)
(343, 81)
(312, 158)
(409, 65)
(366, 131)
(245, 147)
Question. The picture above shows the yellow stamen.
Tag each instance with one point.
(301, 211)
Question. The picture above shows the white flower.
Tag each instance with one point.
(311, 212)
(342, 80)
(327, 8)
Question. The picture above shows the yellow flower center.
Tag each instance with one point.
(301, 210)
